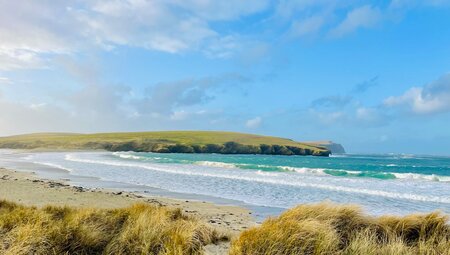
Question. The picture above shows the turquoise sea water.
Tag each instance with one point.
(394, 184)
(391, 166)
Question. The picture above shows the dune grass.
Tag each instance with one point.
(323, 228)
(332, 229)
(139, 229)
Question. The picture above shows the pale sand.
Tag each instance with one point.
(28, 189)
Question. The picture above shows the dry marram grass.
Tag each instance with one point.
(332, 229)
(139, 229)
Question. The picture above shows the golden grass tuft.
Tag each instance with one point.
(139, 229)
(327, 228)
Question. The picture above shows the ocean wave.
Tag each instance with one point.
(304, 170)
(28, 158)
(216, 164)
(262, 168)
(361, 174)
(388, 175)
(307, 170)
(265, 173)
(415, 176)
(330, 172)
(126, 155)
(275, 181)
(53, 165)
(339, 156)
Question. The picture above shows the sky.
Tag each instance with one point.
(371, 75)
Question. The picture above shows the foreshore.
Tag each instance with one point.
(30, 190)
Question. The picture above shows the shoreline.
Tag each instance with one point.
(51, 172)
(29, 189)
(189, 182)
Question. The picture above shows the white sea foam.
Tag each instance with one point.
(216, 164)
(415, 176)
(265, 173)
(28, 157)
(275, 181)
(304, 170)
(339, 156)
(53, 165)
(126, 155)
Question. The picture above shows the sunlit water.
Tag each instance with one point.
(397, 184)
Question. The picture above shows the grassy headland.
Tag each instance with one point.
(166, 142)
(341, 229)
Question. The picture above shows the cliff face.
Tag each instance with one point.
(335, 148)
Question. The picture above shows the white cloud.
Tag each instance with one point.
(307, 26)
(286, 9)
(222, 10)
(89, 104)
(165, 98)
(368, 116)
(223, 47)
(147, 24)
(5, 80)
(432, 98)
(328, 118)
(179, 115)
(332, 102)
(361, 17)
(364, 113)
(37, 106)
(32, 32)
(254, 123)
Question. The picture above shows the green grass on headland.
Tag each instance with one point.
(139, 229)
(332, 229)
(166, 142)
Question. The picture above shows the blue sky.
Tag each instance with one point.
(372, 75)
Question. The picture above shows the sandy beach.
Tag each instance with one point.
(30, 190)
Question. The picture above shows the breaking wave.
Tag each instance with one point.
(265, 177)
(387, 175)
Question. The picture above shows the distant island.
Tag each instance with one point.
(335, 148)
(170, 142)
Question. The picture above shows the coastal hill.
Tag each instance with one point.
(167, 142)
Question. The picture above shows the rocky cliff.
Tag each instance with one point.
(335, 148)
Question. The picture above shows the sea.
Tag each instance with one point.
(396, 184)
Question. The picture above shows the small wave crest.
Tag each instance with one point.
(304, 170)
(265, 173)
(28, 157)
(414, 176)
(53, 165)
(126, 155)
(216, 164)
